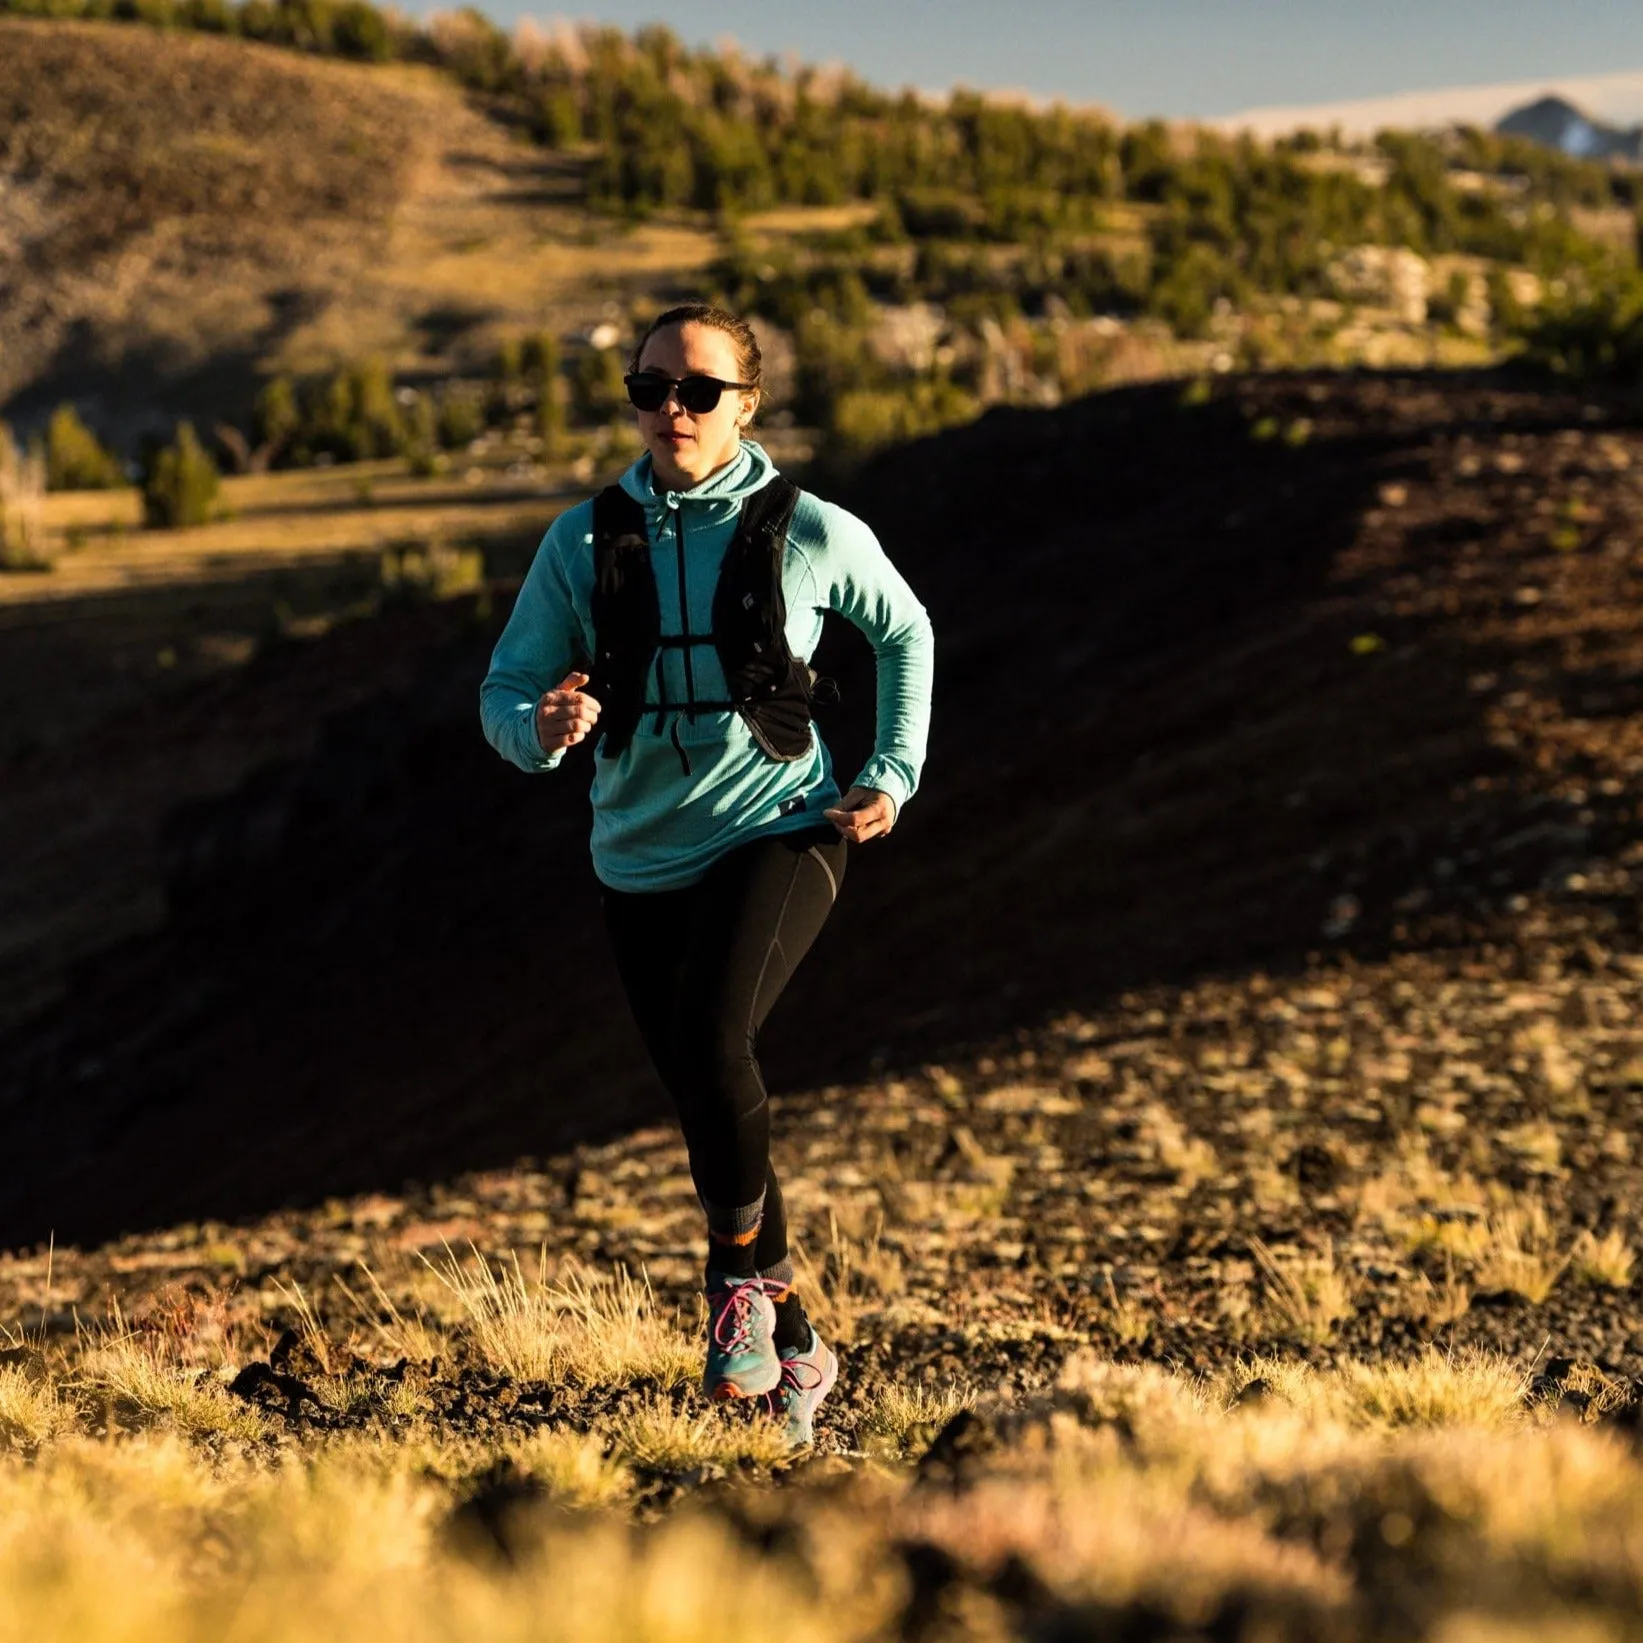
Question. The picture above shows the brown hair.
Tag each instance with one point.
(748, 361)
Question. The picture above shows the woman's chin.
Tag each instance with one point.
(681, 467)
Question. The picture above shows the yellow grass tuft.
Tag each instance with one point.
(1437, 1304)
(32, 1410)
(1606, 1262)
(1128, 1319)
(667, 1439)
(413, 1337)
(140, 1371)
(856, 1276)
(1306, 1295)
(576, 1467)
(1471, 1389)
(902, 1420)
(1519, 1254)
(589, 1329)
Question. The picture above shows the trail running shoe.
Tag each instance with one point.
(741, 1354)
(807, 1378)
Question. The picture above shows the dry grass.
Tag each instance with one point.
(1437, 1304)
(1120, 1487)
(577, 1468)
(140, 1371)
(1607, 1262)
(1472, 1389)
(662, 1437)
(32, 1410)
(1307, 1295)
(1519, 1252)
(1128, 1319)
(412, 1338)
(901, 1420)
(857, 1277)
(585, 1328)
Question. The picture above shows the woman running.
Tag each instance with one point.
(687, 599)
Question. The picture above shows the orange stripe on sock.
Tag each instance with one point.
(741, 1238)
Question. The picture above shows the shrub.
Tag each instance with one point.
(351, 415)
(461, 420)
(539, 357)
(22, 488)
(1596, 335)
(360, 30)
(540, 362)
(277, 416)
(596, 385)
(865, 419)
(75, 460)
(421, 437)
(180, 482)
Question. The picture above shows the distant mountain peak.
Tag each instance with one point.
(1613, 99)
(1557, 123)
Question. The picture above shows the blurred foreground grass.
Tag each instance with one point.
(140, 1498)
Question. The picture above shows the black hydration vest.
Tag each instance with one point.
(771, 689)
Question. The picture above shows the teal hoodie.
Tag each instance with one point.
(655, 826)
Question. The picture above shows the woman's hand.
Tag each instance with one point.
(863, 813)
(565, 715)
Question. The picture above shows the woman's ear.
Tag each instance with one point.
(750, 408)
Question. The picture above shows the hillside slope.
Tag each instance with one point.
(1326, 666)
(179, 212)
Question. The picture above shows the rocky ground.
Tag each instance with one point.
(1340, 1166)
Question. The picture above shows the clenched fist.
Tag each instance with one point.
(565, 715)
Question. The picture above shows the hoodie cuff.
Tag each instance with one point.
(878, 774)
(531, 756)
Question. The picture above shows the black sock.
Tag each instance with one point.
(792, 1332)
(734, 1260)
(733, 1236)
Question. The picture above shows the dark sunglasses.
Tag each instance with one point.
(648, 391)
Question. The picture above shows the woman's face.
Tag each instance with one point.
(685, 448)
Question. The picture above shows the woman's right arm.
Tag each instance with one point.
(542, 640)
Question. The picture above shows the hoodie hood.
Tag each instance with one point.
(750, 470)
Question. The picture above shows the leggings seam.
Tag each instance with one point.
(832, 883)
(775, 941)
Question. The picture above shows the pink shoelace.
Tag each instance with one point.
(793, 1372)
(736, 1309)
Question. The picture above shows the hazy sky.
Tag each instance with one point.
(1186, 58)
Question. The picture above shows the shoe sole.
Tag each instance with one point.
(730, 1391)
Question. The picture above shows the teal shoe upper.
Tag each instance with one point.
(807, 1377)
(741, 1348)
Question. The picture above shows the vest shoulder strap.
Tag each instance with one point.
(616, 515)
(769, 510)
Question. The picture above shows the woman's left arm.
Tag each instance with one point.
(858, 581)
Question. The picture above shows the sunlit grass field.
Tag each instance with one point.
(141, 1499)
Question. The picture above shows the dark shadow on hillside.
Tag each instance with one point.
(147, 390)
(1190, 717)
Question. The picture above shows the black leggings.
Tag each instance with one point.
(702, 966)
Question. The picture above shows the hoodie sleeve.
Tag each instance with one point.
(541, 642)
(854, 577)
